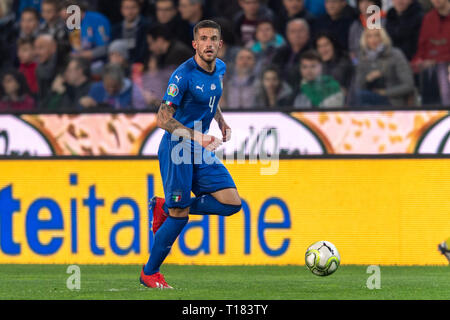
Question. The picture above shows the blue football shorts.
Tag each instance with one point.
(203, 174)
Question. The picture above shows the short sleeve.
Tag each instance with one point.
(177, 87)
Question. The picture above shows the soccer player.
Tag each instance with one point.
(186, 112)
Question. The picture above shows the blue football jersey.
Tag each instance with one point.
(195, 93)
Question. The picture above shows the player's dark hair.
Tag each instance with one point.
(207, 24)
(311, 55)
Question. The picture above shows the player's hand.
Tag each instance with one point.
(210, 143)
(226, 132)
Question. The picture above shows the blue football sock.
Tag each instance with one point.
(164, 239)
(207, 204)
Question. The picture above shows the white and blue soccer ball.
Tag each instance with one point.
(322, 258)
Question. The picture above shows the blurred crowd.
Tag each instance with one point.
(280, 54)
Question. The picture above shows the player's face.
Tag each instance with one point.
(207, 44)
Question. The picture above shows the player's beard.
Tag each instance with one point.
(208, 60)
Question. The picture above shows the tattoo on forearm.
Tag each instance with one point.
(218, 116)
(167, 122)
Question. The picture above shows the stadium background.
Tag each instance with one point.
(75, 183)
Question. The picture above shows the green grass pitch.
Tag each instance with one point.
(223, 283)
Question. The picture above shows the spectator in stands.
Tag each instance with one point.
(14, 93)
(267, 41)
(239, 83)
(115, 91)
(152, 80)
(272, 92)
(358, 26)
(168, 51)
(55, 26)
(316, 7)
(69, 88)
(192, 12)
(290, 10)
(338, 20)
(168, 17)
(25, 4)
(225, 8)
(29, 23)
(426, 5)
(28, 65)
(245, 21)
(118, 54)
(433, 54)
(383, 75)
(92, 39)
(316, 89)
(335, 61)
(402, 22)
(8, 35)
(46, 53)
(229, 49)
(110, 9)
(287, 57)
(133, 29)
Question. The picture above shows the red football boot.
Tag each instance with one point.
(155, 280)
(159, 216)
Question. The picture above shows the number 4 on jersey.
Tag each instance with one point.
(212, 100)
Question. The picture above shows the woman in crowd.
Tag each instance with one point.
(335, 62)
(272, 92)
(14, 92)
(383, 75)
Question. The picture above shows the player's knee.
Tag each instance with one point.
(232, 209)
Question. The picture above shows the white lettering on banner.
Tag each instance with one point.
(256, 134)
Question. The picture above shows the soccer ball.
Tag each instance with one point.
(322, 258)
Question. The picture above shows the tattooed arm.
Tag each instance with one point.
(166, 121)
(226, 130)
